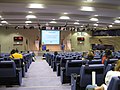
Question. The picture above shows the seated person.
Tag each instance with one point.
(107, 56)
(15, 54)
(90, 55)
(55, 53)
(108, 77)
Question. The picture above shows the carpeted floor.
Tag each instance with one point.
(39, 77)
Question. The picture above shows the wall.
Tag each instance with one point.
(77, 46)
(7, 43)
(107, 40)
(68, 38)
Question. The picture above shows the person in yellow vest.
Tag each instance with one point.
(15, 55)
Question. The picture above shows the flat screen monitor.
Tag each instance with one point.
(50, 36)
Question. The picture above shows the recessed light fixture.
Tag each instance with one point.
(36, 5)
(64, 17)
(4, 22)
(117, 21)
(110, 25)
(87, 8)
(30, 16)
(89, 1)
(30, 12)
(53, 22)
(28, 22)
(65, 13)
(77, 20)
(95, 24)
(95, 15)
(93, 19)
(77, 23)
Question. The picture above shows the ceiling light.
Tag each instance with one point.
(117, 21)
(30, 12)
(113, 23)
(36, 6)
(110, 25)
(95, 24)
(30, 16)
(77, 23)
(64, 17)
(0, 16)
(77, 20)
(28, 22)
(65, 13)
(53, 22)
(53, 19)
(0, 24)
(86, 8)
(93, 19)
(89, 0)
(5, 22)
(81, 26)
(95, 15)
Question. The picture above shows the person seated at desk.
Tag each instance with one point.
(108, 78)
(15, 55)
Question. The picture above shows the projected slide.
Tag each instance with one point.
(50, 37)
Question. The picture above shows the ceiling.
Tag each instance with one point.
(107, 11)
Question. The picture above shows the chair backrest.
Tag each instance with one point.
(1, 59)
(73, 66)
(86, 74)
(18, 62)
(7, 69)
(114, 83)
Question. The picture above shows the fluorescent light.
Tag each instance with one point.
(81, 26)
(53, 22)
(53, 19)
(28, 22)
(77, 23)
(93, 19)
(110, 25)
(95, 24)
(5, 22)
(117, 21)
(36, 6)
(86, 8)
(64, 17)
(30, 16)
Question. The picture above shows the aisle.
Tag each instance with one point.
(40, 77)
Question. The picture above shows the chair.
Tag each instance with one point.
(86, 76)
(20, 64)
(9, 74)
(114, 84)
